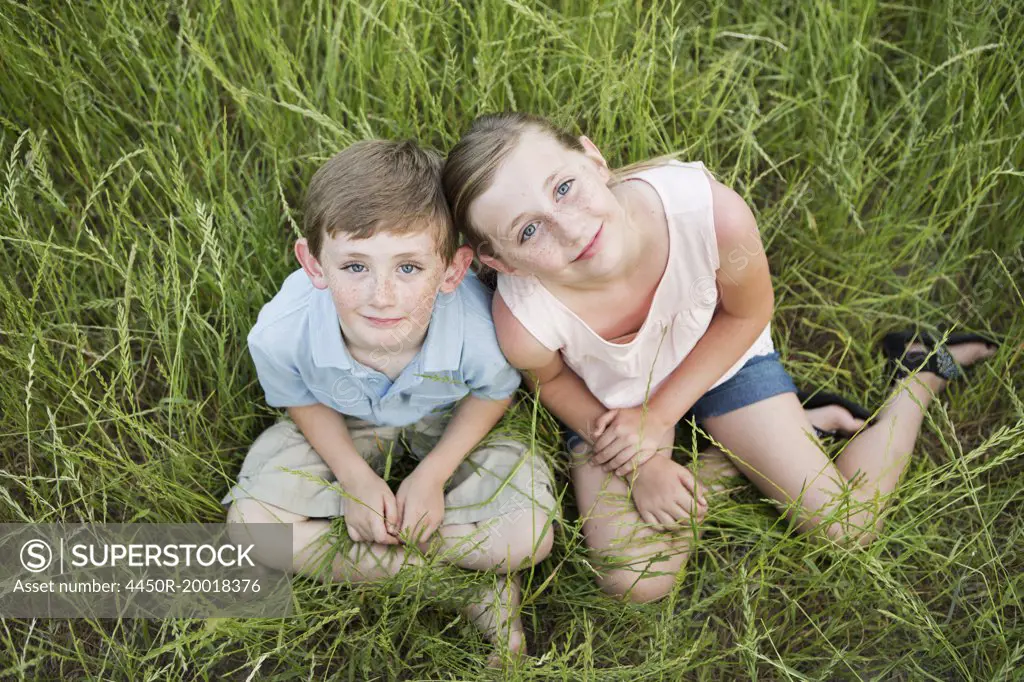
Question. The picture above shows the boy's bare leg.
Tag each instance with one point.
(496, 615)
(359, 562)
(502, 545)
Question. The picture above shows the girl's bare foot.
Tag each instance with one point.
(496, 614)
(965, 354)
(714, 469)
(834, 418)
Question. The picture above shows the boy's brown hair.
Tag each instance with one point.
(379, 185)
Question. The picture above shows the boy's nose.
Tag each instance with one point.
(383, 292)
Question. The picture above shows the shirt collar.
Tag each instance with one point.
(442, 347)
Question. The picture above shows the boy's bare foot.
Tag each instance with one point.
(496, 614)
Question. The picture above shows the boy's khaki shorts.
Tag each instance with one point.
(502, 476)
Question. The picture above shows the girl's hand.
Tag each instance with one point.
(626, 438)
(371, 511)
(667, 494)
(420, 505)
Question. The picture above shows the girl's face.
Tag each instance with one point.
(550, 213)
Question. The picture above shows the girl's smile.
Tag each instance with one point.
(549, 209)
(592, 248)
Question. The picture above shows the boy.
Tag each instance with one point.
(369, 347)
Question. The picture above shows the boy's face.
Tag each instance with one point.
(384, 286)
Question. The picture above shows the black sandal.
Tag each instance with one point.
(935, 359)
(817, 399)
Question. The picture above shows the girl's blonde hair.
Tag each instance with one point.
(473, 161)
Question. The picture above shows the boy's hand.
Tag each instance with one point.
(624, 434)
(371, 511)
(420, 504)
(666, 493)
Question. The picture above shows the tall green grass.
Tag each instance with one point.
(152, 158)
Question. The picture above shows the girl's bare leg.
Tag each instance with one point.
(714, 467)
(772, 442)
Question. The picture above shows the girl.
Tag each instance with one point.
(629, 299)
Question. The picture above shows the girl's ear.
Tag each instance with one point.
(456, 270)
(591, 151)
(485, 252)
(314, 270)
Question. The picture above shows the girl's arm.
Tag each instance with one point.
(746, 306)
(561, 389)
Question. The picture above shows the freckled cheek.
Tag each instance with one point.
(349, 297)
(545, 252)
(419, 297)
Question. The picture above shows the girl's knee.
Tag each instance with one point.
(641, 578)
(628, 584)
(860, 531)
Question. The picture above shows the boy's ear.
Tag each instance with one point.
(310, 264)
(591, 151)
(456, 270)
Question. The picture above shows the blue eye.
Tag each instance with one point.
(409, 268)
(355, 268)
(527, 232)
(563, 189)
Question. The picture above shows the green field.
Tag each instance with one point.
(152, 161)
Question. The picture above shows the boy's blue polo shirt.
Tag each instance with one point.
(301, 358)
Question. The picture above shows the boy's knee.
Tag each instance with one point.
(266, 547)
(249, 510)
(528, 546)
(541, 542)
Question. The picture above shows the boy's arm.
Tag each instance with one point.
(472, 419)
(561, 390)
(325, 430)
(371, 510)
(420, 497)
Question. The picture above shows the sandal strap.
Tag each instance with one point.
(938, 362)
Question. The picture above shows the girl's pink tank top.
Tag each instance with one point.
(625, 374)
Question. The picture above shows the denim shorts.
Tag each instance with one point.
(760, 378)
